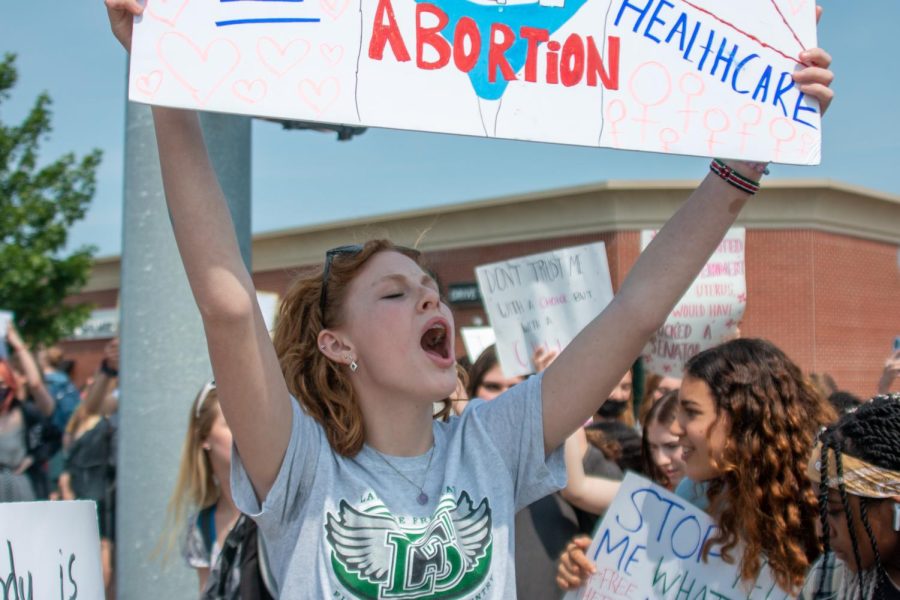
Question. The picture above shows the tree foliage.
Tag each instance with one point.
(39, 202)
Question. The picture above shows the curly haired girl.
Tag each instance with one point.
(748, 421)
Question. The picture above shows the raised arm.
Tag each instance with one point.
(251, 388)
(588, 492)
(104, 378)
(42, 398)
(578, 381)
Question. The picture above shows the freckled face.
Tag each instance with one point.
(495, 383)
(401, 331)
(701, 431)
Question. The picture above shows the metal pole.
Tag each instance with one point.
(163, 351)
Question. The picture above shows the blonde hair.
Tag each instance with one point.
(323, 387)
(196, 487)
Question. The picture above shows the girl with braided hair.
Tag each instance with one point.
(857, 467)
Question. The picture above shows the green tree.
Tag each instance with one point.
(38, 205)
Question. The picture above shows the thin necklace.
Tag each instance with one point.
(422, 498)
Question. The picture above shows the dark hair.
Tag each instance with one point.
(763, 497)
(662, 412)
(870, 433)
(844, 402)
(486, 361)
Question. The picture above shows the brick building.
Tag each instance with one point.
(823, 259)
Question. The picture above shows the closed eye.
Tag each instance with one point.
(391, 296)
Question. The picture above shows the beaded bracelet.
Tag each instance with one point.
(734, 178)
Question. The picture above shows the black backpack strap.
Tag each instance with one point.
(206, 523)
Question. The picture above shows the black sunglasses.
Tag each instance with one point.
(351, 250)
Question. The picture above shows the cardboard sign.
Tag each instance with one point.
(543, 300)
(701, 77)
(708, 313)
(649, 545)
(49, 551)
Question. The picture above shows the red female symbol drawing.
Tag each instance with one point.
(749, 115)
(643, 91)
(149, 84)
(692, 86)
(320, 95)
(200, 71)
(716, 121)
(615, 114)
(782, 131)
(167, 11)
(668, 136)
(250, 92)
(280, 59)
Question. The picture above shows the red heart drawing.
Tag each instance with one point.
(249, 91)
(334, 8)
(280, 59)
(332, 54)
(149, 84)
(200, 71)
(320, 96)
(167, 11)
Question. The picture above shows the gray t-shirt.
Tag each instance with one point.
(348, 528)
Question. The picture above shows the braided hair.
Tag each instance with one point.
(870, 433)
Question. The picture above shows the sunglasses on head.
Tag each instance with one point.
(349, 250)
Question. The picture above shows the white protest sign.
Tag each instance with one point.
(649, 545)
(543, 300)
(701, 77)
(49, 551)
(708, 313)
(476, 339)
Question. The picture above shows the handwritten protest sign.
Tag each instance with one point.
(708, 313)
(50, 551)
(700, 77)
(543, 300)
(649, 545)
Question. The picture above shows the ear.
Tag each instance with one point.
(335, 346)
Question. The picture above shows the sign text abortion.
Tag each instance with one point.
(699, 77)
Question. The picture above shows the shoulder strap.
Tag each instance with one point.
(206, 522)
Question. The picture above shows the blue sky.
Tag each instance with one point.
(65, 48)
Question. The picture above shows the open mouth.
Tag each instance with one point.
(435, 340)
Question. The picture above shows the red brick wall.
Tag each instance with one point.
(831, 302)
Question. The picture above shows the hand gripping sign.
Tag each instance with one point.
(701, 77)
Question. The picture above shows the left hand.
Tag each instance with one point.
(815, 79)
(543, 358)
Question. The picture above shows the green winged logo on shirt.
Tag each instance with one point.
(374, 557)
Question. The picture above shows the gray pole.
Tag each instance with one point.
(163, 351)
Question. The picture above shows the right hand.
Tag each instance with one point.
(121, 19)
(574, 566)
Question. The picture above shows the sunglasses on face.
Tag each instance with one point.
(350, 250)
